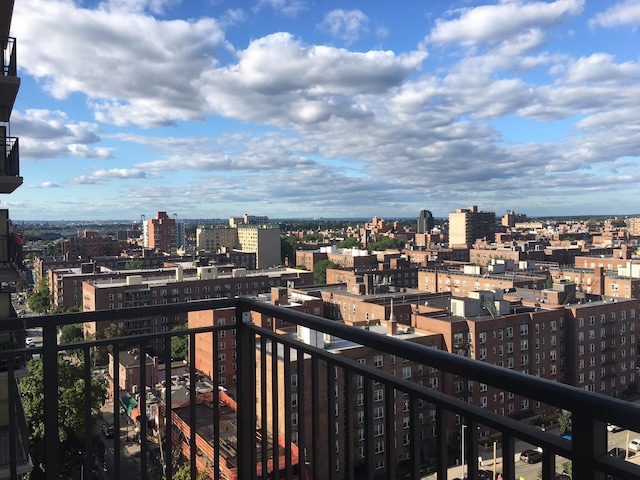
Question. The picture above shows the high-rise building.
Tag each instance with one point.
(12, 417)
(264, 240)
(425, 222)
(466, 225)
(161, 233)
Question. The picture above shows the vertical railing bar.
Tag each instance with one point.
(287, 413)
(12, 393)
(50, 372)
(508, 452)
(315, 420)
(414, 435)
(302, 431)
(332, 417)
(264, 429)
(89, 459)
(589, 441)
(442, 434)
(390, 434)
(193, 422)
(142, 405)
(168, 421)
(215, 361)
(471, 448)
(275, 402)
(349, 425)
(246, 394)
(116, 407)
(368, 428)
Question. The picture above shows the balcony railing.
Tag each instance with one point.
(301, 411)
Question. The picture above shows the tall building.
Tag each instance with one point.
(466, 225)
(161, 233)
(264, 240)
(425, 222)
(12, 423)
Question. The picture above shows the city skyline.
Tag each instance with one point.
(337, 110)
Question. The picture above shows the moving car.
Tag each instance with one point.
(531, 456)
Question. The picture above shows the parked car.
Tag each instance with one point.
(614, 428)
(531, 456)
(618, 453)
(634, 444)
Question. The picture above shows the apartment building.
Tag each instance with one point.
(205, 282)
(466, 225)
(260, 239)
(425, 222)
(217, 238)
(601, 340)
(264, 240)
(161, 233)
(472, 277)
(216, 357)
(91, 244)
(297, 395)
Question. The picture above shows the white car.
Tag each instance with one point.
(634, 444)
(613, 428)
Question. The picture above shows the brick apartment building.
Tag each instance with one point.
(91, 245)
(161, 233)
(472, 278)
(466, 225)
(206, 282)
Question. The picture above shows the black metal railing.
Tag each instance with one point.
(10, 164)
(305, 411)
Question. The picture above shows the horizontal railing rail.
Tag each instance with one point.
(353, 405)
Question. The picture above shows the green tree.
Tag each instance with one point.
(564, 422)
(179, 344)
(385, 243)
(134, 265)
(70, 415)
(567, 467)
(288, 246)
(40, 300)
(71, 333)
(184, 473)
(349, 243)
(320, 271)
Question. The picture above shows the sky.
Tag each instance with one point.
(325, 108)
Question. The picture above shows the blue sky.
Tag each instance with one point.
(295, 108)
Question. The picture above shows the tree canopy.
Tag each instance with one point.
(40, 300)
(320, 271)
(179, 345)
(349, 243)
(70, 414)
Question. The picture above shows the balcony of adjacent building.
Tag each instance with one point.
(298, 409)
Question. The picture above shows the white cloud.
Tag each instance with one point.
(344, 24)
(46, 185)
(622, 13)
(600, 67)
(493, 23)
(286, 7)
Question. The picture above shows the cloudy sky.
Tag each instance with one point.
(309, 108)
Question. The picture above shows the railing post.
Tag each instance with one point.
(50, 373)
(247, 453)
(588, 441)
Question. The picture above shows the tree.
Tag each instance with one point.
(134, 265)
(179, 345)
(564, 422)
(70, 414)
(184, 473)
(288, 246)
(320, 271)
(349, 243)
(40, 300)
(71, 333)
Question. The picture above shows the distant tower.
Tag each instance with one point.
(162, 233)
(425, 221)
(468, 225)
